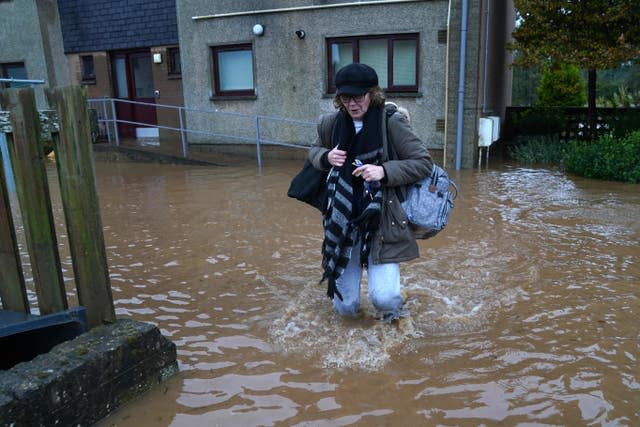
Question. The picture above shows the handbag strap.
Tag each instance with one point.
(390, 110)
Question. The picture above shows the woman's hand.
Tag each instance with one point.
(337, 157)
(369, 172)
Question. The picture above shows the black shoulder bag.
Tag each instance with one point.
(310, 186)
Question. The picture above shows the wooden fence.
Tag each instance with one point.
(68, 124)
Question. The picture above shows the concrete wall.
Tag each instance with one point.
(498, 26)
(487, 79)
(471, 88)
(81, 381)
(57, 67)
(291, 74)
(30, 33)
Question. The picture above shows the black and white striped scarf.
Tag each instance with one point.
(347, 220)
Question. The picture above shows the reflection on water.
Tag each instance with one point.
(524, 311)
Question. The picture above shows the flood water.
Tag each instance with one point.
(524, 311)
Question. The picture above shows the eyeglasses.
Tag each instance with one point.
(346, 99)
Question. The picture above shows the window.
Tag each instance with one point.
(394, 57)
(88, 70)
(233, 70)
(13, 70)
(174, 66)
(120, 76)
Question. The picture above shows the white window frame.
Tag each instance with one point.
(218, 89)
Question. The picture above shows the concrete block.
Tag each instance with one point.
(81, 381)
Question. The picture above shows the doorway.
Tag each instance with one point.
(133, 81)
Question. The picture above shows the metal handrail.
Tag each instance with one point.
(111, 120)
(26, 81)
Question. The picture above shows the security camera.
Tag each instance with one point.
(300, 34)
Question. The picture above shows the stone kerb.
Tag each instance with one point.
(83, 380)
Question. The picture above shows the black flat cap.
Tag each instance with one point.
(355, 79)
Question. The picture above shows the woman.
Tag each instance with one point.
(370, 155)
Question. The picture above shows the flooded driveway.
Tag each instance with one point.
(524, 311)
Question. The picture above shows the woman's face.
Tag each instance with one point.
(356, 105)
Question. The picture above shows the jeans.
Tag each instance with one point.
(384, 287)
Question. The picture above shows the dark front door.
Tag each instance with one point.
(133, 81)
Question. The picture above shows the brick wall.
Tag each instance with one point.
(170, 89)
(102, 85)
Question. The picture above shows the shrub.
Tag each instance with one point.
(625, 123)
(608, 157)
(539, 149)
(622, 98)
(562, 86)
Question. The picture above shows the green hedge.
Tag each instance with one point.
(609, 157)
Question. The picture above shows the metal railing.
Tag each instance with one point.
(190, 125)
(22, 82)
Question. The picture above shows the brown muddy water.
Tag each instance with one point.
(524, 311)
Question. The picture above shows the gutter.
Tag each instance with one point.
(303, 8)
(461, 82)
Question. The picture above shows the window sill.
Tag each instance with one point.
(404, 94)
(88, 82)
(233, 98)
(174, 76)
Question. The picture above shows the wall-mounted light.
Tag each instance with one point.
(157, 58)
(300, 34)
(258, 30)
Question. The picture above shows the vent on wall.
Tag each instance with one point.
(442, 36)
(440, 125)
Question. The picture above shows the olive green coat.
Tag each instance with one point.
(408, 162)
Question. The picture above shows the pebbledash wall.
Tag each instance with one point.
(487, 72)
(290, 74)
(30, 34)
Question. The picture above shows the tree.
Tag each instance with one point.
(525, 83)
(591, 34)
(561, 86)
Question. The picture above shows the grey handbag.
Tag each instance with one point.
(429, 202)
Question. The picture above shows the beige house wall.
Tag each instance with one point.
(30, 33)
(291, 74)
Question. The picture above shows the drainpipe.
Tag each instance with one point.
(463, 64)
(485, 71)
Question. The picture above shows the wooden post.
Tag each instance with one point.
(12, 289)
(74, 158)
(27, 159)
